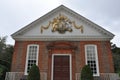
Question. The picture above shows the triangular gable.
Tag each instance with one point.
(62, 24)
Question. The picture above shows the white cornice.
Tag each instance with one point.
(64, 38)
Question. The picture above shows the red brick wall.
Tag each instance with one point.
(78, 56)
(19, 55)
(104, 55)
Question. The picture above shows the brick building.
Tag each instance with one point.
(61, 42)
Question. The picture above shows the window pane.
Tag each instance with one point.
(32, 56)
(91, 57)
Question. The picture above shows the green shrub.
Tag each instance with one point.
(119, 73)
(3, 70)
(34, 73)
(86, 73)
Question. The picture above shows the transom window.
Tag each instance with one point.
(92, 58)
(32, 56)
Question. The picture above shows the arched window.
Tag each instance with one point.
(32, 56)
(92, 58)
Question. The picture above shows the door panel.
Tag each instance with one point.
(61, 68)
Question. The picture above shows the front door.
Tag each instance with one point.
(61, 67)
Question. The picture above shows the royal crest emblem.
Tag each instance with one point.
(61, 24)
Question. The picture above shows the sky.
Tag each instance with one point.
(15, 14)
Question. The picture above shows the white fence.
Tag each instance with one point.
(20, 75)
(109, 76)
(103, 76)
(14, 75)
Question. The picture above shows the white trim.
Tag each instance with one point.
(52, 69)
(25, 72)
(96, 57)
(65, 37)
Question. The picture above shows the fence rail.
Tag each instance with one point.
(109, 76)
(20, 75)
(103, 76)
(14, 75)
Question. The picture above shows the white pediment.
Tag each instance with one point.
(62, 24)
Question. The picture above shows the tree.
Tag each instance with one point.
(86, 73)
(6, 52)
(116, 57)
(3, 70)
(2, 44)
(34, 73)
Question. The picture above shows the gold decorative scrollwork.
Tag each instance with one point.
(42, 27)
(62, 24)
(78, 27)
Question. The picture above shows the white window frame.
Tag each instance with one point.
(96, 58)
(28, 47)
(70, 58)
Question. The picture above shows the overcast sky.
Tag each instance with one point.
(15, 14)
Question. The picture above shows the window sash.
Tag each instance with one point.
(92, 58)
(32, 56)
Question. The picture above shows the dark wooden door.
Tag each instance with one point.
(61, 68)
